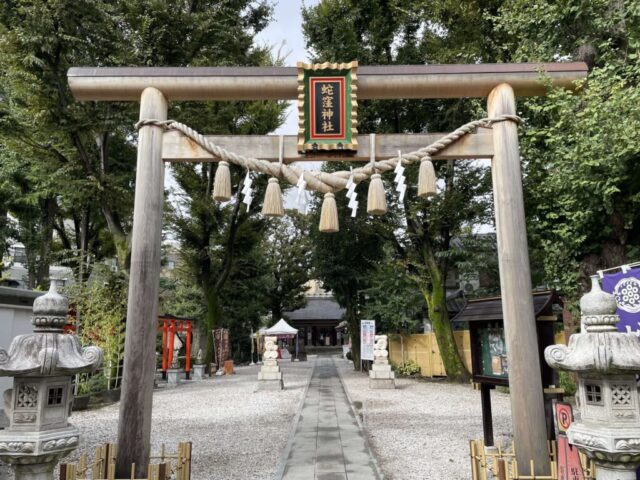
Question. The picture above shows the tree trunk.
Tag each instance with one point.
(4, 227)
(276, 311)
(44, 254)
(353, 326)
(437, 307)
(121, 240)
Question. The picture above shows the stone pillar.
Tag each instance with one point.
(42, 364)
(380, 375)
(270, 376)
(606, 362)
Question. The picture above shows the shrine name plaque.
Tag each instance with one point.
(327, 107)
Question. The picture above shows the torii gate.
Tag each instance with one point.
(155, 87)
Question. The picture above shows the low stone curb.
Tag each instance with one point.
(367, 444)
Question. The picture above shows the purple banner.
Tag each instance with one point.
(626, 288)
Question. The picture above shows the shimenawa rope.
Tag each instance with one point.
(325, 182)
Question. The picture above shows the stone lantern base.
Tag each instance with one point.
(615, 450)
(198, 372)
(34, 455)
(381, 375)
(173, 377)
(270, 376)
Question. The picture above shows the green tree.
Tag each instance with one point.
(101, 310)
(393, 299)
(287, 250)
(581, 152)
(376, 32)
(345, 260)
(88, 145)
(58, 143)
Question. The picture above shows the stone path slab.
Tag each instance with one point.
(328, 443)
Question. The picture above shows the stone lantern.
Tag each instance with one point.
(42, 364)
(606, 362)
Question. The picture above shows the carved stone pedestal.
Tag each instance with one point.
(198, 372)
(173, 377)
(39, 471)
(381, 375)
(270, 376)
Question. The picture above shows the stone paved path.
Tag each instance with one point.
(328, 443)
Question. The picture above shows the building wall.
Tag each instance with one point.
(14, 320)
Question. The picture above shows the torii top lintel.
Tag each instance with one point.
(280, 83)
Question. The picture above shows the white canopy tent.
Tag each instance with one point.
(282, 328)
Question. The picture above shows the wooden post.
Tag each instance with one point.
(474, 463)
(487, 417)
(187, 364)
(134, 425)
(502, 470)
(525, 383)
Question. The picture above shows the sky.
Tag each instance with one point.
(285, 33)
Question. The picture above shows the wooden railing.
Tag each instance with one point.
(166, 466)
(500, 464)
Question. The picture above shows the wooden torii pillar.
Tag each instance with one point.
(155, 87)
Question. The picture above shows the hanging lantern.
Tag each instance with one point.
(222, 183)
(272, 206)
(329, 214)
(427, 179)
(376, 200)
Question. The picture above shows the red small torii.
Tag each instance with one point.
(170, 325)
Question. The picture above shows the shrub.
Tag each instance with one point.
(408, 368)
(568, 384)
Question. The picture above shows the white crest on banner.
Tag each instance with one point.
(627, 293)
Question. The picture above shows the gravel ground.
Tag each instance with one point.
(236, 433)
(421, 430)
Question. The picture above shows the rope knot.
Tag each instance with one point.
(488, 122)
(152, 122)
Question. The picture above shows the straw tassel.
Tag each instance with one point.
(272, 206)
(376, 200)
(329, 214)
(222, 183)
(427, 179)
